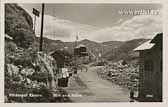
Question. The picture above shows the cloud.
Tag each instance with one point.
(142, 26)
(65, 30)
(60, 29)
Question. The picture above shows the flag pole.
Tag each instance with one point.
(76, 43)
(41, 36)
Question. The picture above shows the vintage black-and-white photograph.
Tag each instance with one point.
(83, 52)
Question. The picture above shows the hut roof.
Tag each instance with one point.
(157, 38)
(151, 43)
(81, 45)
(145, 46)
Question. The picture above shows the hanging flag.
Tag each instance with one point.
(36, 12)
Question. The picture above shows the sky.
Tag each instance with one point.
(97, 22)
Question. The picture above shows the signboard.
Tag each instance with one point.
(36, 12)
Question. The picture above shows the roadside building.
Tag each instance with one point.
(59, 57)
(80, 50)
(150, 69)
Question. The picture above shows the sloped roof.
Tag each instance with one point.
(158, 38)
(145, 46)
(149, 44)
(81, 45)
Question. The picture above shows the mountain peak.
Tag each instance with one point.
(87, 41)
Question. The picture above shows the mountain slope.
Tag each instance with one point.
(112, 50)
(18, 25)
(110, 45)
(92, 47)
(125, 51)
(50, 45)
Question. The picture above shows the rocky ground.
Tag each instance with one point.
(126, 75)
(28, 71)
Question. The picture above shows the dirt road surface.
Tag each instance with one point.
(89, 87)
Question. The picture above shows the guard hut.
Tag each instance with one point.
(59, 57)
(80, 50)
(80, 53)
(150, 70)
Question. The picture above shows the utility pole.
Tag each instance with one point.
(76, 43)
(42, 22)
